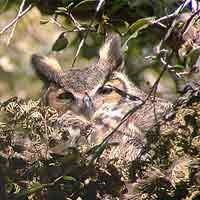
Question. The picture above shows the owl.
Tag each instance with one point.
(93, 101)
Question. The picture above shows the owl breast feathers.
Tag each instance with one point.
(92, 102)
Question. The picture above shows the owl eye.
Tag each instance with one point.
(66, 97)
(105, 90)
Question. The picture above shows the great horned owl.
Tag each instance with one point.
(94, 100)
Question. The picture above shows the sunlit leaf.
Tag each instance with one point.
(125, 47)
(141, 24)
(65, 9)
(62, 10)
(126, 24)
(136, 27)
(44, 21)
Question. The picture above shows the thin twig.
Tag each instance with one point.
(78, 50)
(99, 6)
(16, 19)
(15, 24)
(174, 14)
(81, 29)
(82, 42)
(76, 23)
(164, 18)
(53, 21)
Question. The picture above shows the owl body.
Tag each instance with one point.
(93, 101)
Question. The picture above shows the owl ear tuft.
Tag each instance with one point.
(47, 69)
(111, 51)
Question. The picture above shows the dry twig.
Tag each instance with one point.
(15, 24)
(19, 15)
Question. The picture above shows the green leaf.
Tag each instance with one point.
(97, 150)
(141, 24)
(62, 10)
(126, 24)
(125, 46)
(136, 27)
(44, 21)
(179, 66)
(34, 188)
(69, 178)
(60, 43)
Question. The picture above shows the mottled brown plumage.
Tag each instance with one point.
(98, 97)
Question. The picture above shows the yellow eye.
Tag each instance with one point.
(66, 97)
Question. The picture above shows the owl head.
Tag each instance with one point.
(79, 90)
(97, 98)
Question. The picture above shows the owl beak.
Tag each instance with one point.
(88, 106)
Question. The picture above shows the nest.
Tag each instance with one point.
(35, 163)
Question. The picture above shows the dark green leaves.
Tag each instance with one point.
(60, 43)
